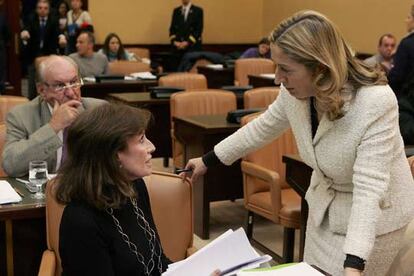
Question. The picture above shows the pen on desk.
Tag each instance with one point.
(22, 180)
(177, 171)
(18, 191)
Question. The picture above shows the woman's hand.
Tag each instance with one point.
(348, 271)
(198, 169)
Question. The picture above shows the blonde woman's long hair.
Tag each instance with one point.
(311, 39)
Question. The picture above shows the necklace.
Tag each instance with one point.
(150, 236)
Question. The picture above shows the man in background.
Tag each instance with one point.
(261, 51)
(90, 63)
(37, 130)
(185, 31)
(40, 37)
(386, 50)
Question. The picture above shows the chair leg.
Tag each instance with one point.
(249, 224)
(288, 244)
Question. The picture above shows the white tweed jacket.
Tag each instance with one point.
(361, 181)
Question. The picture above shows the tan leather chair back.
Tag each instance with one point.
(199, 62)
(139, 52)
(3, 129)
(124, 67)
(7, 103)
(188, 81)
(260, 97)
(207, 102)
(251, 66)
(171, 205)
(270, 156)
(54, 213)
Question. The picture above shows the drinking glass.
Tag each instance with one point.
(38, 177)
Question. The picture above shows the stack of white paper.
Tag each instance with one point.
(293, 270)
(269, 76)
(228, 251)
(215, 66)
(143, 75)
(7, 193)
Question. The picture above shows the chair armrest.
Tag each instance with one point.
(48, 264)
(259, 172)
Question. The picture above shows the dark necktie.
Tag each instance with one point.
(42, 31)
(64, 147)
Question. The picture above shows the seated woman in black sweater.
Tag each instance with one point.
(107, 227)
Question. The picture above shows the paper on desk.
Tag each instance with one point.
(269, 76)
(215, 66)
(228, 250)
(291, 270)
(7, 193)
(143, 75)
(89, 79)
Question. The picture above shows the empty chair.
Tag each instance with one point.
(187, 81)
(139, 52)
(171, 205)
(124, 67)
(7, 103)
(267, 194)
(260, 97)
(207, 102)
(251, 66)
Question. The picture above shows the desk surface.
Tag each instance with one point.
(137, 98)
(27, 208)
(209, 123)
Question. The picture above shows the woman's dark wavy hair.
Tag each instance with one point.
(121, 55)
(91, 173)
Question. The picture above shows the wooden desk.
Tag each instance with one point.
(160, 128)
(298, 176)
(217, 78)
(24, 232)
(261, 81)
(199, 134)
(101, 89)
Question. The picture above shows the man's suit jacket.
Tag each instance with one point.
(403, 70)
(50, 41)
(361, 181)
(30, 136)
(187, 30)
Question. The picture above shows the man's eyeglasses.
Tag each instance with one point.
(60, 87)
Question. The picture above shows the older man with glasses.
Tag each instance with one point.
(37, 130)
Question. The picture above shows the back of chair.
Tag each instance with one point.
(270, 156)
(7, 103)
(139, 52)
(260, 97)
(251, 66)
(171, 205)
(125, 68)
(2, 142)
(188, 81)
(54, 213)
(204, 102)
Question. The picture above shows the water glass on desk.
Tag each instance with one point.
(38, 177)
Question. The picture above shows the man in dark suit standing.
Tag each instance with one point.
(185, 30)
(41, 36)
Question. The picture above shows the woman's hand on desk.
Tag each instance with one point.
(348, 271)
(198, 169)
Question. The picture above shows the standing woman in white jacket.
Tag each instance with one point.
(344, 118)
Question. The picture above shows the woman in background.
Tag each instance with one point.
(114, 50)
(107, 227)
(78, 20)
